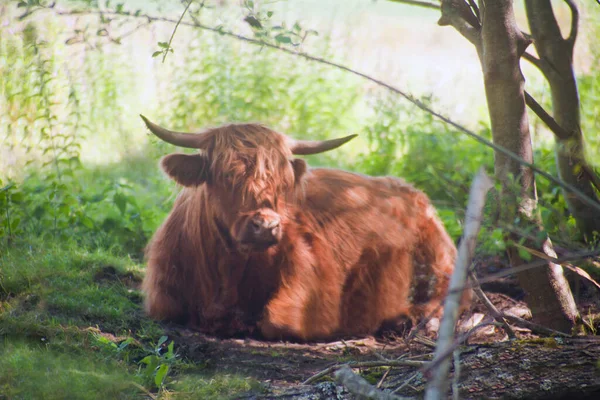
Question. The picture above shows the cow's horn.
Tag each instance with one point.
(305, 147)
(191, 140)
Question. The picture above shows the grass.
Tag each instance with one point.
(72, 326)
(33, 370)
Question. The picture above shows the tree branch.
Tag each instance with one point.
(459, 15)
(175, 30)
(419, 104)
(536, 264)
(359, 386)
(535, 328)
(550, 122)
(436, 388)
(365, 364)
(419, 3)
(534, 61)
(574, 23)
(491, 307)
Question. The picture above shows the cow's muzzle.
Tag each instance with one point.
(261, 230)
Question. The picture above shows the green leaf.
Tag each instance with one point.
(125, 343)
(525, 255)
(170, 354)
(164, 45)
(16, 197)
(120, 201)
(87, 222)
(147, 360)
(161, 341)
(14, 224)
(281, 38)
(269, 14)
(253, 22)
(22, 4)
(250, 4)
(156, 54)
(161, 374)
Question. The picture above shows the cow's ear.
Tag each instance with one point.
(186, 169)
(299, 167)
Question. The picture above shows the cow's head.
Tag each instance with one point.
(250, 176)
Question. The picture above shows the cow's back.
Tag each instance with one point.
(387, 237)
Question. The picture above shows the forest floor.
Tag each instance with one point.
(72, 326)
(530, 367)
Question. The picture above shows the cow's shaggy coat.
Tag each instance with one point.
(349, 254)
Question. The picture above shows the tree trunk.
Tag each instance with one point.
(556, 63)
(502, 44)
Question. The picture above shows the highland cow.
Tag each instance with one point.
(258, 241)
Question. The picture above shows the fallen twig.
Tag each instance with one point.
(365, 364)
(491, 307)
(535, 328)
(360, 387)
(406, 382)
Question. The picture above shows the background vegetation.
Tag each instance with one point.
(81, 193)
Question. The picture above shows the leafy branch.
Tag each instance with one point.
(166, 47)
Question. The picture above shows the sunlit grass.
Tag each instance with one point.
(35, 371)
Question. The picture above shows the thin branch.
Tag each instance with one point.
(534, 61)
(460, 16)
(534, 264)
(320, 374)
(550, 122)
(424, 4)
(574, 269)
(132, 31)
(385, 375)
(365, 364)
(406, 382)
(359, 386)
(460, 340)
(419, 104)
(475, 10)
(535, 328)
(574, 23)
(436, 388)
(175, 30)
(491, 307)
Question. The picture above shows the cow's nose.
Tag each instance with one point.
(265, 229)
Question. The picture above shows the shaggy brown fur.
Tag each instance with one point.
(353, 252)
